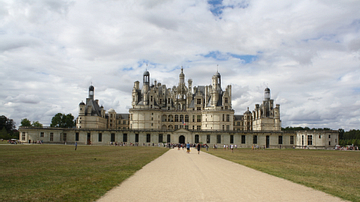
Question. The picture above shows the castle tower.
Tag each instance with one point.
(91, 92)
(267, 94)
(146, 87)
(216, 89)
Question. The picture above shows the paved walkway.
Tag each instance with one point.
(178, 176)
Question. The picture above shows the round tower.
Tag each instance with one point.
(91, 92)
(267, 94)
(146, 78)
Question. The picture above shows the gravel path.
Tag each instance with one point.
(178, 176)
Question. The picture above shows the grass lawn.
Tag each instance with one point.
(58, 173)
(334, 172)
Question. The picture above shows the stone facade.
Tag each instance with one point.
(183, 113)
(205, 108)
(274, 139)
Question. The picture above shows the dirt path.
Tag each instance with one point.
(178, 176)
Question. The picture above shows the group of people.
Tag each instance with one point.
(188, 146)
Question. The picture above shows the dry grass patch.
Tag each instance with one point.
(58, 173)
(334, 172)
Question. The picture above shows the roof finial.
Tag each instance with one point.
(217, 68)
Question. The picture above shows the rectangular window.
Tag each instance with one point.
(136, 137)
(64, 137)
(231, 139)
(23, 136)
(42, 134)
(226, 100)
(196, 139)
(176, 127)
(125, 137)
(227, 117)
(100, 137)
(227, 127)
(148, 138)
(254, 139)
(186, 127)
(329, 136)
(51, 137)
(208, 139)
(76, 136)
(242, 139)
(176, 118)
(198, 108)
(160, 138)
(198, 101)
(186, 118)
(198, 127)
(329, 143)
(198, 118)
(291, 139)
(112, 137)
(280, 139)
(193, 119)
(168, 138)
(238, 123)
(218, 139)
(309, 139)
(124, 121)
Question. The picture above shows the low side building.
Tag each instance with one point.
(243, 139)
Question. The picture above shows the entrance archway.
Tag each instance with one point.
(182, 139)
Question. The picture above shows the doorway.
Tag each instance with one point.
(88, 139)
(267, 141)
(182, 139)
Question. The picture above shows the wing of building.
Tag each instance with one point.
(187, 113)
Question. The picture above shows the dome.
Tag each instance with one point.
(111, 110)
(267, 89)
(91, 88)
(146, 73)
(82, 103)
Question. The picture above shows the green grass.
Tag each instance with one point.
(58, 173)
(334, 172)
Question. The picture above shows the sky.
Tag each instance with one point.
(307, 52)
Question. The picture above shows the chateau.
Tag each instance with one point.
(201, 108)
(183, 113)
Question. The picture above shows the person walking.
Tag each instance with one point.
(188, 147)
(198, 147)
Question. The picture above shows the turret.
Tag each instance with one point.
(216, 88)
(91, 92)
(267, 94)
(146, 78)
(82, 108)
(181, 77)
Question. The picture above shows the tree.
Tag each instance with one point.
(62, 121)
(26, 122)
(341, 133)
(37, 124)
(9, 124)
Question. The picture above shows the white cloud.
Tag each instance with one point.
(307, 52)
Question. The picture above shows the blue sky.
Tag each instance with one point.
(307, 53)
